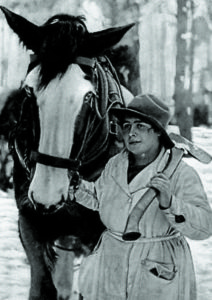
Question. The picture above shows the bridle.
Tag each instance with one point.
(108, 94)
(53, 161)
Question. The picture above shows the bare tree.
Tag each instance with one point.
(125, 56)
(184, 67)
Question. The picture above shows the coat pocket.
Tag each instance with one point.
(155, 280)
(166, 271)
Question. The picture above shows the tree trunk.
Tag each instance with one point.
(125, 55)
(183, 82)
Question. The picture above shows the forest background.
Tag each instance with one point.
(167, 53)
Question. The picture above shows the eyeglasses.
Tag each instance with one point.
(139, 126)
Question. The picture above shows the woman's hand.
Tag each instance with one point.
(75, 181)
(161, 184)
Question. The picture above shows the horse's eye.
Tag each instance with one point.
(88, 77)
(80, 28)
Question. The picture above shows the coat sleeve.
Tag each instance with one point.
(86, 195)
(190, 212)
(89, 193)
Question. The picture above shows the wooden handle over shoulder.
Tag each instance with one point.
(131, 232)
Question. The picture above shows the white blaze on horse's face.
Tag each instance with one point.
(59, 104)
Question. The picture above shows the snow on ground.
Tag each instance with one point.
(14, 270)
(202, 250)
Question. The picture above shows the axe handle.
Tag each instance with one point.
(132, 231)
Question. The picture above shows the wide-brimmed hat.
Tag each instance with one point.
(150, 109)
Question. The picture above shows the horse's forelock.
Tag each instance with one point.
(62, 37)
(62, 29)
(66, 18)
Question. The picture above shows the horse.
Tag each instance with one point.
(9, 113)
(64, 130)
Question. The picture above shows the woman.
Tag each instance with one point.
(158, 265)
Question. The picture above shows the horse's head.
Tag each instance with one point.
(62, 79)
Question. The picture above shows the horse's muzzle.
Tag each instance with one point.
(43, 210)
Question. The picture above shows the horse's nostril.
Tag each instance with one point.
(32, 196)
(51, 209)
(32, 200)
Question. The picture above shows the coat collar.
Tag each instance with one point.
(142, 178)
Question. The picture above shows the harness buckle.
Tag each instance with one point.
(114, 128)
(89, 99)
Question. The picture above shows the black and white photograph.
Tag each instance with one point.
(106, 150)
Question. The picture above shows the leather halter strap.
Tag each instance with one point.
(49, 160)
(54, 161)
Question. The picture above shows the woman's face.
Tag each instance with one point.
(140, 137)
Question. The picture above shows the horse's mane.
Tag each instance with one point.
(10, 112)
(62, 35)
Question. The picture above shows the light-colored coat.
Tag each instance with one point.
(122, 270)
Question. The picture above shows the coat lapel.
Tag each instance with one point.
(140, 181)
(119, 174)
(138, 186)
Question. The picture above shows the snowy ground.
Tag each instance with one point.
(202, 250)
(14, 270)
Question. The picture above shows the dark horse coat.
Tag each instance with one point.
(60, 42)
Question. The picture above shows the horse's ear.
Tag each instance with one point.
(27, 32)
(98, 42)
